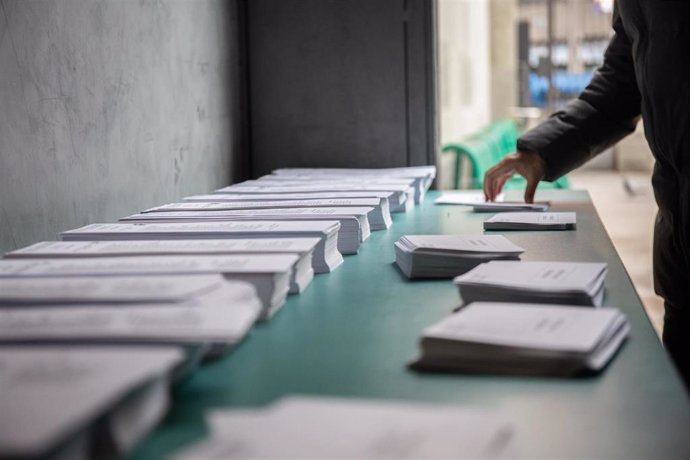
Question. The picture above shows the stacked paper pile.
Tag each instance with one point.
(354, 222)
(206, 313)
(325, 253)
(478, 203)
(302, 247)
(422, 176)
(498, 338)
(387, 198)
(269, 273)
(320, 428)
(52, 396)
(531, 221)
(401, 197)
(574, 283)
(445, 256)
(379, 217)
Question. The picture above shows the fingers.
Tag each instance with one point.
(500, 183)
(527, 164)
(495, 178)
(531, 189)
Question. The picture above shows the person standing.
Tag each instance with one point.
(645, 73)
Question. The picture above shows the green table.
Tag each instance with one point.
(352, 331)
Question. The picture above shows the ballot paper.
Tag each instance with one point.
(340, 428)
(478, 203)
(575, 283)
(526, 339)
(327, 231)
(531, 221)
(465, 198)
(304, 247)
(508, 206)
(354, 223)
(215, 320)
(446, 256)
(269, 273)
(379, 218)
(51, 395)
(401, 201)
(121, 289)
(206, 313)
(316, 179)
(425, 174)
(389, 197)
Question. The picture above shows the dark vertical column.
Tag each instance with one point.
(421, 82)
(335, 83)
(523, 64)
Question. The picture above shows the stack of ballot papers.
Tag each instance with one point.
(508, 206)
(201, 312)
(466, 198)
(574, 283)
(354, 223)
(531, 221)
(269, 273)
(422, 175)
(446, 256)
(478, 203)
(331, 428)
(426, 173)
(380, 181)
(303, 247)
(402, 199)
(524, 339)
(325, 253)
(75, 402)
(386, 197)
(379, 218)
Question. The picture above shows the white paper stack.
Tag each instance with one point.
(508, 206)
(51, 396)
(466, 198)
(423, 175)
(331, 428)
(402, 200)
(531, 221)
(269, 273)
(304, 247)
(379, 218)
(326, 231)
(202, 311)
(354, 223)
(524, 339)
(389, 197)
(341, 179)
(478, 203)
(574, 283)
(446, 256)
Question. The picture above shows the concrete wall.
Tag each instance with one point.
(108, 107)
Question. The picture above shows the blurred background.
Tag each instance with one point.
(505, 65)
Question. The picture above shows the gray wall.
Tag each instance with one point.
(108, 107)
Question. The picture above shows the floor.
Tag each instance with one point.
(625, 203)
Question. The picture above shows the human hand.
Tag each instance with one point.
(529, 165)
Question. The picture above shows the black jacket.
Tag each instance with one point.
(646, 71)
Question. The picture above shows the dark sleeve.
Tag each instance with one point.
(606, 111)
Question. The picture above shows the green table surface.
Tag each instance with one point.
(352, 332)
